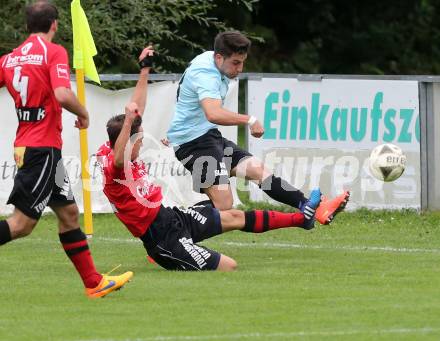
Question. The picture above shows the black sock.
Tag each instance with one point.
(282, 191)
(75, 245)
(250, 221)
(5, 232)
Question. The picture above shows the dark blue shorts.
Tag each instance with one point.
(171, 239)
(210, 159)
(41, 181)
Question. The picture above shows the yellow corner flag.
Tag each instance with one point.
(83, 51)
(83, 45)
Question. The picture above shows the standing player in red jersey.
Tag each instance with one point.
(170, 234)
(37, 77)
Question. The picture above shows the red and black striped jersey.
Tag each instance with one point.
(31, 73)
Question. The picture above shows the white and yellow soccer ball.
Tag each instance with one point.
(387, 162)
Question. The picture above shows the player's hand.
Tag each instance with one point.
(148, 51)
(165, 142)
(257, 129)
(82, 122)
(131, 111)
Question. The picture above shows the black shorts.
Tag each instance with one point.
(210, 159)
(41, 181)
(171, 239)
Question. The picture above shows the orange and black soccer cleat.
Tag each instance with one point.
(109, 284)
(327, 209)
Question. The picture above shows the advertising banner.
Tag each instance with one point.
(320, 134)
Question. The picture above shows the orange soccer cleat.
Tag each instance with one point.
(109, 284)
(327, 209)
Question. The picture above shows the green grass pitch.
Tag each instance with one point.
(369, 276)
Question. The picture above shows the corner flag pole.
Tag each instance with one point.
(84, 151)
(83, 51)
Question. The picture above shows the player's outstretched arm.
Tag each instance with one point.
(140, 92)
(70, 102)
(215, 113)
(131, 112)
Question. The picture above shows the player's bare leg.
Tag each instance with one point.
(68, 217)
(232, 220)
(221, 196)
(251, 169)
(20, 225)
(226, 264)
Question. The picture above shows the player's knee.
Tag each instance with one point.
(232, 218)
(232, 265)
(227, 264)
(237, 214)
(256, 170)
(259, 172)
(69, 216)
(20, 229)
(23, 231)
(72, 214)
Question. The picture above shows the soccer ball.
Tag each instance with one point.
(387, 162)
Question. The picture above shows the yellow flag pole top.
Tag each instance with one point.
(83, 51)
(83, 45)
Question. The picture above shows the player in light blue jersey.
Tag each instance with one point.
(211, 158)
(202, 80)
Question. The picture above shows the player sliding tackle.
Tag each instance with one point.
(170, 235)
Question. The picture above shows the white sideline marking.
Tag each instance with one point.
(265, 245)
(279, 335)
(268, 245)
(324, 247)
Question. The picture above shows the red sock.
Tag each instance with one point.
(75, 244)
(261, 221)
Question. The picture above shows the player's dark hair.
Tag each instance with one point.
(40, 16)
(230, 42)
(114, 127)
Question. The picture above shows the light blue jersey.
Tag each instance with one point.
(201, 80)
